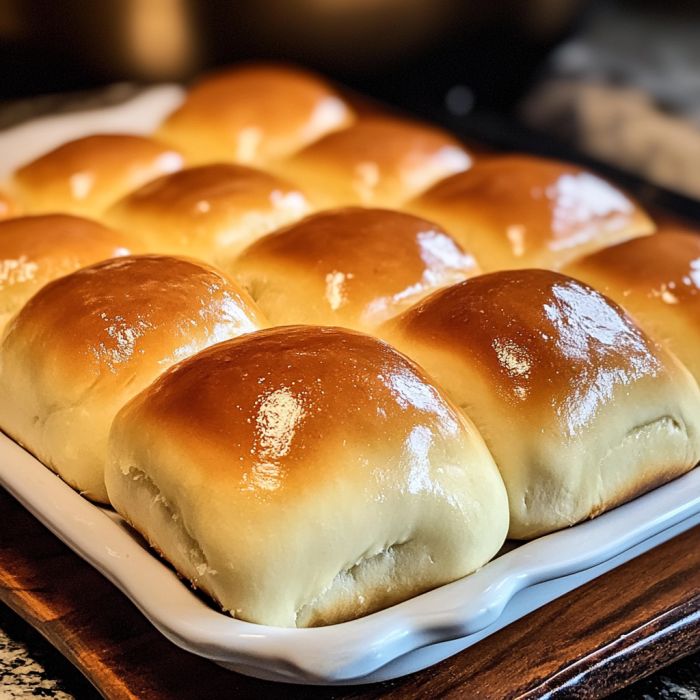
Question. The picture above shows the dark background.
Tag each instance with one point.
(401, 50)
(406, 51)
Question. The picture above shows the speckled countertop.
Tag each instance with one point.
(31, 668)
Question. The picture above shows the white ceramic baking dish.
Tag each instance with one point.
(384, 645)
(387, 644)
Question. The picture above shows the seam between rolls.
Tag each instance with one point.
(57, 408)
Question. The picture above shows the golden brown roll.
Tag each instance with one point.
(86, 343)
(210, 212)
(580, 409)
(657, 279)
(8, 206)
(37, 249)
(379, 162)
(520, 211)
(253, 114)
(85, 176)
(350, 267)
(304, 476)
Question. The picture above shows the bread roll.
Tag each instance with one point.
(88, 342)
(210, 212)
(8, 206)
(253, 114)
(580, 409)
(657, 279)
(37, 249)
(85, 176)
(378, 162)
(350, 267)
(519, 211)
(305, 476)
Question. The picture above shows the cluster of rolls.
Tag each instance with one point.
(324, 359)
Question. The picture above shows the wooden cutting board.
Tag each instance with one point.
(607, 634)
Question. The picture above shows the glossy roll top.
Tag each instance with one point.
(379, 162)
(520, 211)
(85, 176)
(37, 249)
(350, 267)
(580, 409)
(657, 279)
(305, 476)
(254, 114)
(211, 212)
(87, 342)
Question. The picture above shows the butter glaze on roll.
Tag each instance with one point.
(210, 212)
(87, 175)
(657, 279)
(86, 343)
(580, 409)
(37, 249)
(519, 211)
(254, 114)
(304, 476)
(350, 267)
(378, 162)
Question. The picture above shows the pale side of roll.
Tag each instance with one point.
(304, 476)
(87, 342)
(520, 211)
(350, 267)
(581, 410)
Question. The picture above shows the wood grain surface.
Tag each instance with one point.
(611, 632)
